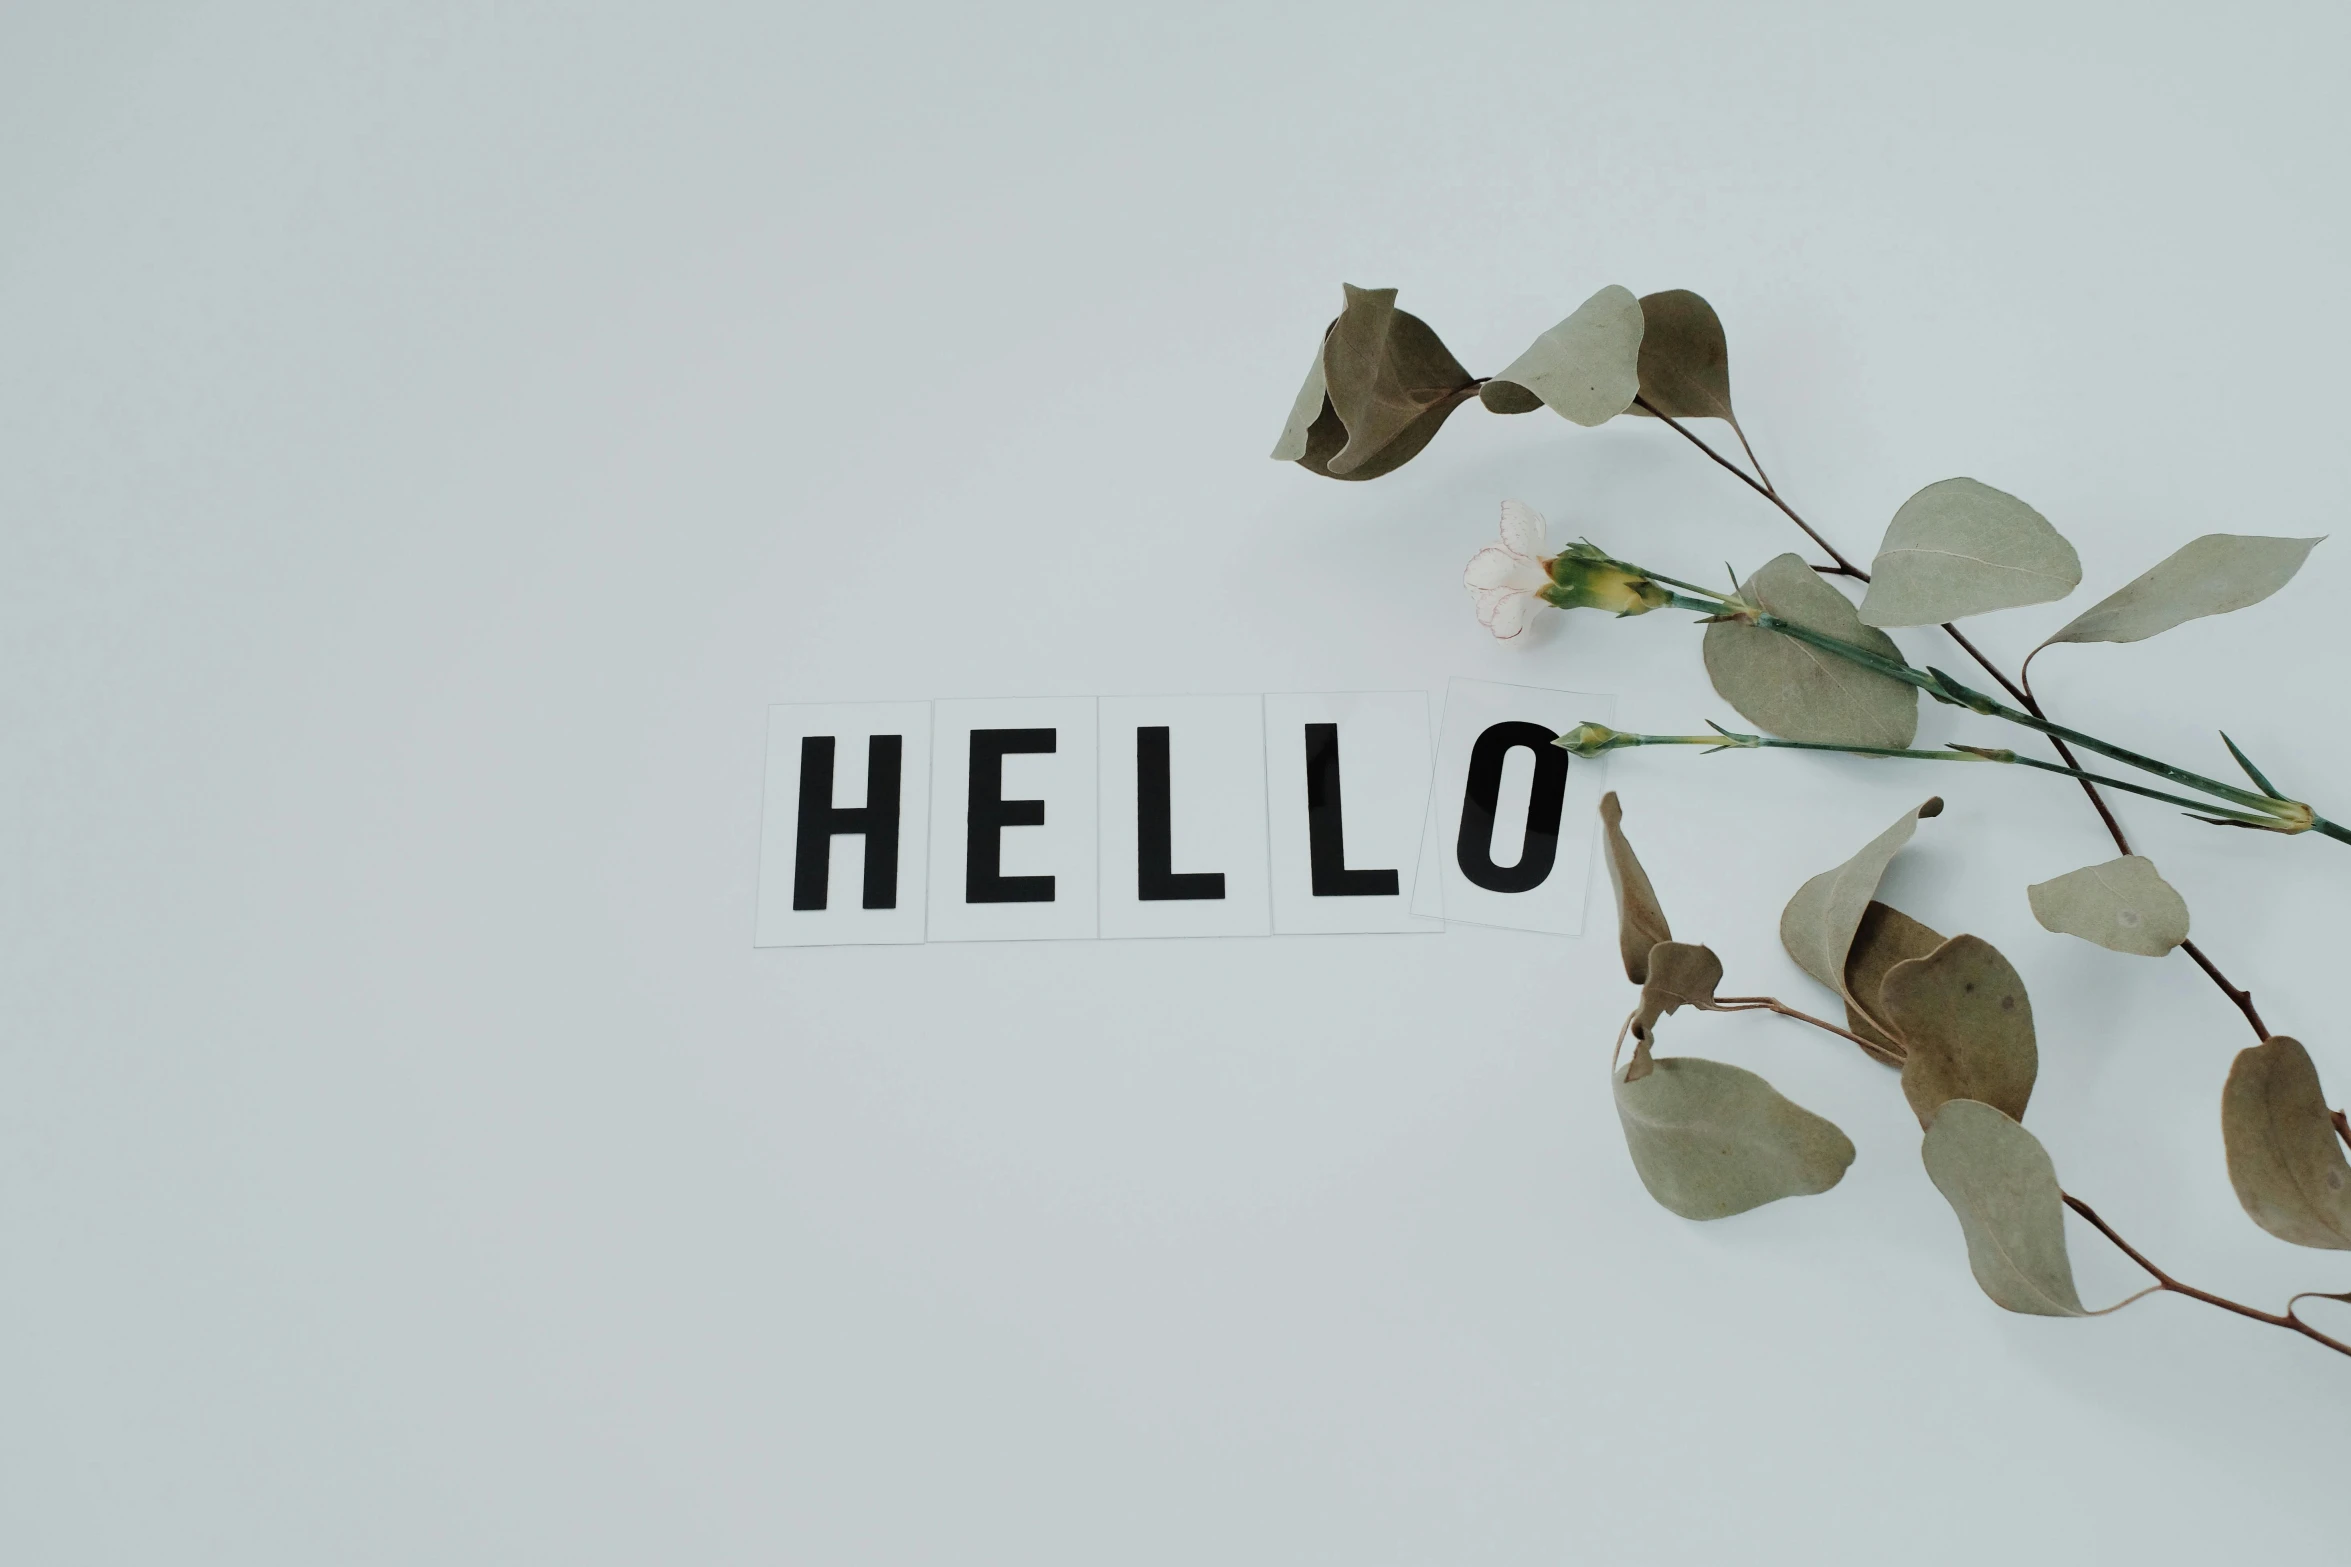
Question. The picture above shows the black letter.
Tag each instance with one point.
(988, 813)
(1326, 832)
(821, 821)
(1155, 878)
(1473, 849)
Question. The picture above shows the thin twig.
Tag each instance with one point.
(2342, 1127)
(1775, 1004)
(1749, 480)
(2285, 1319)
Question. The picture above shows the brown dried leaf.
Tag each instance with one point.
(1640, 923)
(1886, 936)
(1685, 360)
(1389, 384)
(1962, 1014)
(2284, 1159)
(1680, 975)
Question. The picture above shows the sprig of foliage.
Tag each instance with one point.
(1818, 672)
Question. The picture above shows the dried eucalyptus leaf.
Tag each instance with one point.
(1390, 383)
(1507, 397)
(1795, 690)
(2000, 1181)
(1685, 360)
(2284, 1159)
(1309, 407)
(1960, 548)
(1587, 368)
(2122, 905)
(1818, 925)
(1680, 975)
(1640, 922)
(1962, 1013)
(2212, 575)
(1886, 936)
(1710, 1140)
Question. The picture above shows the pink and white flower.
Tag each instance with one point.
(1504, 579)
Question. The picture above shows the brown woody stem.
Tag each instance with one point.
(2164, 1281)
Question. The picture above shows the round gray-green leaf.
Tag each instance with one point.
(1640, 920)
(1960, 548)
(2284, 1159)
(1710, 1140)
(2000, 1182)
(2212, 575)
(2122, 905)
(1795, 690)
(1818, 925)
(1962, 1014)
(1685, 360)
(1587, 368)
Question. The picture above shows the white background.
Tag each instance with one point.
(431, 437)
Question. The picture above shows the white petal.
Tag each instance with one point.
(1522, 529)
(1511, 615)
(1488, 601)
(1492, 567)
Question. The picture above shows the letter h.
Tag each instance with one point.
(821, 821)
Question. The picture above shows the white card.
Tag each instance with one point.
(844, 838)
(1013, 846)
(1183, 816)
(1512, 818)
(1347, 779)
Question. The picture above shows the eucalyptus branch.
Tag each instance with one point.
(2165, 1283)
(1709, 1139)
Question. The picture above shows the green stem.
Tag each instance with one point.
(1943, 688)
(1728, 740)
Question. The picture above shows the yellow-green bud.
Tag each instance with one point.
(1585, 579)
(1588, 740)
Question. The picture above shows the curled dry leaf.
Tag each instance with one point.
(2122, 905)
(1818, 925)
(1798, 691)
(1640, 922)
(1885, 937)
(2284, 1159)
(1685, 360)
(1680, 974)
(1387, 384)
(1710, 1140)
(1311, 404)
(1586, 369)
(1962, 1014)
(1961, 548)
(2212, 575)
(2000, 1182)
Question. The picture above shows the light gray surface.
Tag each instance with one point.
(430, 438)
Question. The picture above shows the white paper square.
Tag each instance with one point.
(1555, 902)
(1384, 754)
(1062, 847)
(847, 730)
(1213, 751)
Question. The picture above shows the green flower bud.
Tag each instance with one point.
(1583, 578)
(1588, 740)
